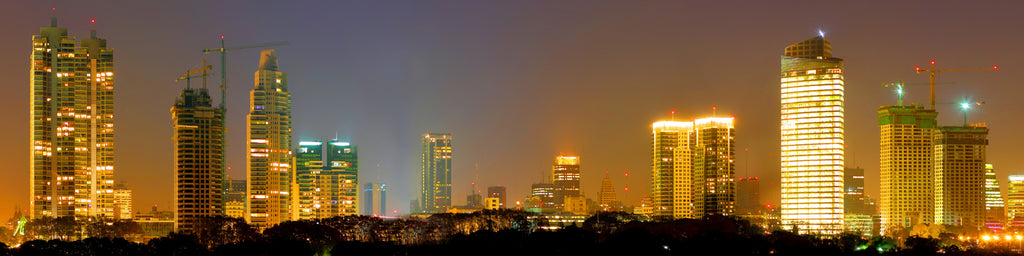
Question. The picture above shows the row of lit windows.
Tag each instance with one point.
(837, 98)
(807, 94)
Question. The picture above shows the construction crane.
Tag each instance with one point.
(934, 72)
(899, 89)
(189, 74)
(224, 92)
(224, 66)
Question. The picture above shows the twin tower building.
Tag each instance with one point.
(72, 145)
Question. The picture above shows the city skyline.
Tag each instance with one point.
(142, 122)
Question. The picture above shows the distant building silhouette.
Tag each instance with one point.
(373, 199)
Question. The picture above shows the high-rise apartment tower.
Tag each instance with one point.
(72, 125)
(907, 167)
(199, 173)
(268, 143)
(436, 173)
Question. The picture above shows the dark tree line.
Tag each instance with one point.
(486, 233)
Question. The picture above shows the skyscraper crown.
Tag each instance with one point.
(268, 60)
(811, 48)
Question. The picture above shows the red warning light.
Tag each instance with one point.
(714, 107)
(917, 68)
(93, 21)
(995, 67)
(221, 36)
(933, 62)
(673, 111)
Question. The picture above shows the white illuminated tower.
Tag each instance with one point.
(812, 138)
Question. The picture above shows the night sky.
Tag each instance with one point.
(519, 81)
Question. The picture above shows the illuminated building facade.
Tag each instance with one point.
(373, 199)
(198, 156)
(542, 195)
(72, 127)
(1015, 198)
(714, 186)
(960, 175)
(122, 203)
(693, 173)
(436, 173)
(498, 192)
(907, 155)
(995, 207)
(812, 138)
(234, 209)
(671, 170)
(326, 180)
(565, 174)
(268, 144)
(235, 191)
(607, 196)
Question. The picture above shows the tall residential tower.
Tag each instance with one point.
(436, 173)
(198, 152)
(907, 167)
(960, 175)
(72, 125)
(672, 170)
(812, 138)
(268, 143)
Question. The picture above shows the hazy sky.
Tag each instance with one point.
(519, 81)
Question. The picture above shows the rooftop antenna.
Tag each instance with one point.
(673, 113)
(714, 110)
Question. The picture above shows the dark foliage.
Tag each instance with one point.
(486, 233)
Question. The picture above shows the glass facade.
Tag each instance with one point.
(812, 141)
(436, 173)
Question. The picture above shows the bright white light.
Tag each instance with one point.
(821, 33)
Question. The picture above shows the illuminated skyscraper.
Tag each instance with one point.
(268, 143)
(199, 173)
(672, 170)
(1015, 198)
(607, 195)
(812, 138)
(326, 180)
(714, 186)
(907, 167)
(436, 173)
(565, 174)
(498, 192)
(960, 175)
(373, 199)
(72, 125)
(542, 195)
(692, 168)
(995, 208)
